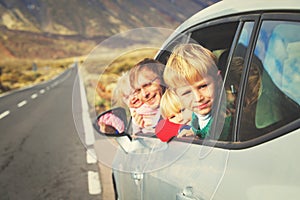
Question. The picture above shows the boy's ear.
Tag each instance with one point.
(219, 77)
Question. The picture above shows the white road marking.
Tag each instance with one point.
(87, 124)
(91, 156)
(94, 183)
(22, 103)
(88, 129)
(42, 91)
(34, 96)
(54, 84)
(4, 114)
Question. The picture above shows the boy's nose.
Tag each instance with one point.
(198, 95)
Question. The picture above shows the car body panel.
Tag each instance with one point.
(254, 169)
(266, 171)
(204, 163)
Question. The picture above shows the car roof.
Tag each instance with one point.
(232, 7)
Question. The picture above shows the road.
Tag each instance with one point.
(42, 156)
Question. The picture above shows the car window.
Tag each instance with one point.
(236, 68)
(164, 54)
(218, 39)
(273, 80)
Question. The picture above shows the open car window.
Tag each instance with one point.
(218, 38)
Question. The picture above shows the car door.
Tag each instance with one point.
(263, 162)
(183, 168)
(258, 57)
(197, 172)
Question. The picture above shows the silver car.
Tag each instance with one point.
(258, 158)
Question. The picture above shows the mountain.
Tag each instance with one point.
(50, 29)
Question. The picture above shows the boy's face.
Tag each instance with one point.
(199, 97)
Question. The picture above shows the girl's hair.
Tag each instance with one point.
(169, 104)
(119, 94)
(188, 63)
(148, 63)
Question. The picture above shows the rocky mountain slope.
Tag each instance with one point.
(50, 29)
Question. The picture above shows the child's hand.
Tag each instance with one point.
(138, 119)
(185, 133)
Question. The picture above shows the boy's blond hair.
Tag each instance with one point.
(169, 104)
(188, 63)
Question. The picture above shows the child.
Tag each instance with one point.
(146, 80)
(175, 117)
(192, 73)
(142, 114)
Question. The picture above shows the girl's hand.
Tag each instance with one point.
(138, 119)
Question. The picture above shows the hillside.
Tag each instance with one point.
(51, 29)
(50, 33)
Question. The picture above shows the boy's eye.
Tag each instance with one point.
(184, 93)
(202, 86)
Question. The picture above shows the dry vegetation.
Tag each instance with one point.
(16, 74)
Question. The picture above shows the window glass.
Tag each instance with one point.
(236, 68)
(272, 96)
(246, 33)
(237, 63)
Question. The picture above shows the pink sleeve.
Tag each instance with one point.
(112, 120)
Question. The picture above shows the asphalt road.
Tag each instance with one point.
(41, 154)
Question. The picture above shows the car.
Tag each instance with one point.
(258, 159)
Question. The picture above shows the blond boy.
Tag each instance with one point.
(193, 75)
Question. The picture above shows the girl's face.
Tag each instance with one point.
(130, 99)
(148, 88)
(181, 117)
(134, 101)
(198, 97)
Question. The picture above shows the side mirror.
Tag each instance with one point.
(112, 123)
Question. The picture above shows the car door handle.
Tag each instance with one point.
(187, 194)
(137, 176)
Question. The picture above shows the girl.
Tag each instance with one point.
(175, 118)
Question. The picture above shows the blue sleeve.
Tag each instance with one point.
(186, 127)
